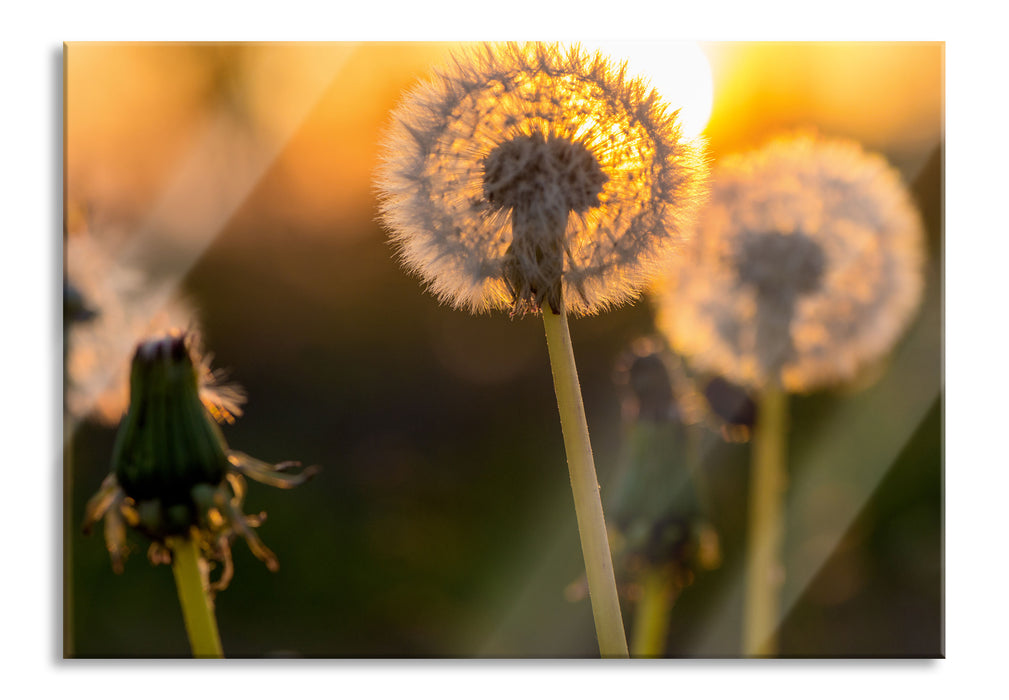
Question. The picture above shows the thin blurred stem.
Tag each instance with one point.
(765, 571)
(651, 617)
(197, 610)
(68, 496)
(68, 483)
(68, 540)
(585, 488)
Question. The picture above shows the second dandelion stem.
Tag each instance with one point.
(585, 488)
(197, 610)
(651, 619)
(764, 570)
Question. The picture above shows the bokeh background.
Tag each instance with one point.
(239, 176)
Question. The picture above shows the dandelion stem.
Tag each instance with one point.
(764, 570)
(68, 493)
(197, 610)
(651, 617)
(68, 539)
(585, 488)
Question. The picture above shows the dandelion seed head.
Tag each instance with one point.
(523, 174)
(806, 266)
(122, 305)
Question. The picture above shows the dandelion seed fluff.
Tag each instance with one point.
(123, 306)
(806, 266)
(549, 139)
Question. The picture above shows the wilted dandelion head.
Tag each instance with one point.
(807, 265)
(524, 174)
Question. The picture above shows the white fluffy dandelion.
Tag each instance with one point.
(524, 174)
(806, 266)
(122, 307)
(535, 178)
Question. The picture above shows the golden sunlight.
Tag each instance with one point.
(679, 70)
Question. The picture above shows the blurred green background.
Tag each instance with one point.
(442, 523)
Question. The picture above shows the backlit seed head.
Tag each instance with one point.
(542, 171)
(806, 266)
(530, 174)
(540, 180)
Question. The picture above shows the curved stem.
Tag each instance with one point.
(197, 610)
(651, 617)
(765, 571)
(585, 488)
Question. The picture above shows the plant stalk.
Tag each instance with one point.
(651, 617)
(765, 570)
(197, 609)
(68, 540)
(585, 488)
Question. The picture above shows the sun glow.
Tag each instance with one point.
(679, 70)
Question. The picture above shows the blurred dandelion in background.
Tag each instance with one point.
(806, 267)
(122, 304)
(484, 161)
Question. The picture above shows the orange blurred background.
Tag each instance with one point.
(300, 123)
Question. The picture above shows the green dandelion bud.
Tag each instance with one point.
(168, 444)
(663, 539)
(657, 506)
(173, 474)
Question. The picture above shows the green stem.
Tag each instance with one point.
(68, 540)
(765, 571)
(197, 610)
(585, 488)
(651, 617)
